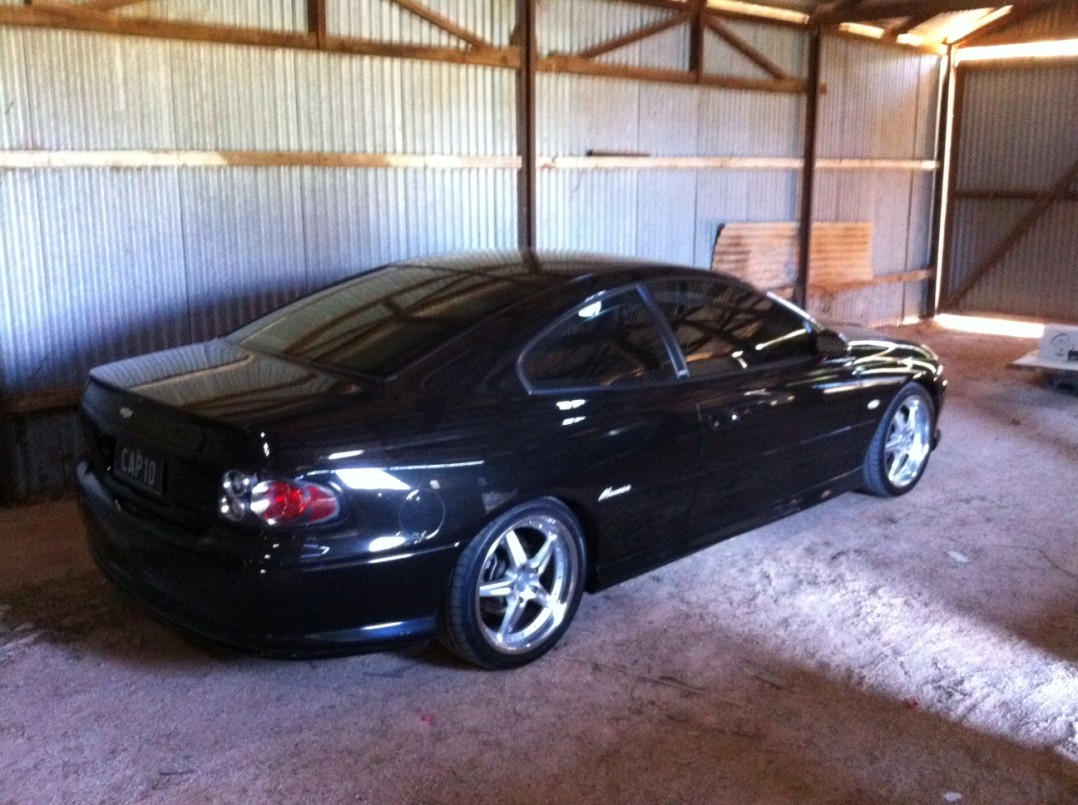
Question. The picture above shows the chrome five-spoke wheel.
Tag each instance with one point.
(899, 451)
(516, 586)
(909, 438)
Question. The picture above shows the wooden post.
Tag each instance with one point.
(316, 20)
(696, 40)
(7, 454)
(946, 269)
(526, 182)
(941, 188)
(808, 171)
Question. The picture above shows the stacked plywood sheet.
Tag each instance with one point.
(766, 254)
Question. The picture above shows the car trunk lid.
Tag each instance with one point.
(162, 428)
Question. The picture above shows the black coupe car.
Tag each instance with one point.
(461, 446)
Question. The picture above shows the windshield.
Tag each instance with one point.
(383, 320)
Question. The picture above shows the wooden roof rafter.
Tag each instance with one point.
(744, 48)
(316, 15)
(906, 24)
(881, 12)
(444, 23)
(108, 5)
(638, 35)
(701, 18)
(1018, 14)
(872, 11)
(94, 16)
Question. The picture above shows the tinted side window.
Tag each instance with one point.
(612, 341)
(727, 328)
(379, 322)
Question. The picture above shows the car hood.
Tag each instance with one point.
(865, 341)
(221, 381)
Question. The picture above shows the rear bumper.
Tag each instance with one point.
(270, 607)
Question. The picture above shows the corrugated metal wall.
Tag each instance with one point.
(662, 214)
(101, 263)
(1018, 132)
(880, 104)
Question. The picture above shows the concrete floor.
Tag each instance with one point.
(923, 650)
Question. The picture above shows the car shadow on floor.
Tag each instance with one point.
(85, 614)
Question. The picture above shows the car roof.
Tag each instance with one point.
(378, 323)
(551, 265)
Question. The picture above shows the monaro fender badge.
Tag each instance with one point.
(611, 491)
(126, 412)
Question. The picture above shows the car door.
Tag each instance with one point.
(778, 419)
(622, 433)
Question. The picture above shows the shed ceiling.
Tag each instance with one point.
(930, 22)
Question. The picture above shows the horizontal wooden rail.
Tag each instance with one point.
(881, 279)
(219, 159)
(41, 159)
(577, 66)
(645, 162)
(60, 399)
(979, 194)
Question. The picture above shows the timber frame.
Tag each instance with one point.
(96, 16)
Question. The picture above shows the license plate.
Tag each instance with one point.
(139, 468)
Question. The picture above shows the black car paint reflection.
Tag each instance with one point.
(459, 446)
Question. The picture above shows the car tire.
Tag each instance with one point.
(899, 451)
(515, 587)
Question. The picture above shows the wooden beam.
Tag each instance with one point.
(931, 48)
(944, 111)
(1017, 14)
(808, 174)
(635, 36)
(1008, 195)
(881, 279)
(40, 402)
(37, 160)
(491, 57)
(641, 162)
(135, 159)
(646, 162)
(799, 18)
(670, 5)
(316, 20)
(952, 153)
(906, 25)
(527, 184)
(696, 39)
(108, 5)
(875, 10)
(747, 50)
(73, 18)
(444, 23)
(578, 66)
(99, 22)
(837, 5)
(1044, 201)
(878, 164)
(8, 492)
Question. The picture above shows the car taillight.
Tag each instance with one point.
(288, 502)
(276, 502)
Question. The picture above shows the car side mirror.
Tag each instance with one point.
(830, 344)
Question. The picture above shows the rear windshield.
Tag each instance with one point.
(381, 321)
